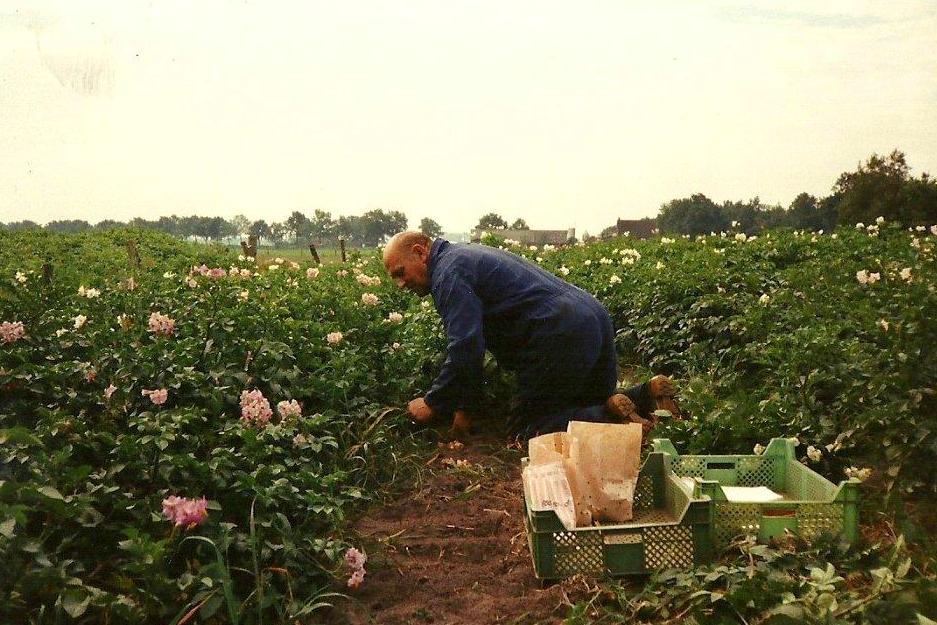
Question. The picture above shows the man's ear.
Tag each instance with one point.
(420, 251)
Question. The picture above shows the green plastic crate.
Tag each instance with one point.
(811, 506)
(672, 528)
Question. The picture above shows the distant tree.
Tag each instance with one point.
(349, 227)
(375, 225)
(144, 224)
(67, 225)
(430, 228)
(873, 190)
(919, 201)
(321, 226)
(216, 228)
(491, 221)
(804, 213)
(828, 209)
(189, 226)
(299, 226)
(25, 224)
(169, 225)
(109, 224)
(753, 216)
(241, 225)
(519, 224)
(396, 222)
(278, 232)
(696, 214)
(259, 229)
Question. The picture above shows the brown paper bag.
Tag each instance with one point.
(603, 467)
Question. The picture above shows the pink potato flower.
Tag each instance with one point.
(185, 512)
(161, 324)
(255, 409)
(289, 409)
(355, 560)
(11, 332)
(157, 396)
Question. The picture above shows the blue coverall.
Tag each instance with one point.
(558, 339)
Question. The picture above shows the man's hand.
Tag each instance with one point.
(419, 410)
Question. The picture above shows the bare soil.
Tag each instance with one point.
(454, 550)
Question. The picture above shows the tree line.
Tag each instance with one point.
(880, 187)
(368, 229)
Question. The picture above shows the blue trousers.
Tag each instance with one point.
(558, 421)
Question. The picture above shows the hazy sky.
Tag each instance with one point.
(568, 114)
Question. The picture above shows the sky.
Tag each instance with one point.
(564, 114)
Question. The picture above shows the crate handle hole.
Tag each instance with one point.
(720, 465)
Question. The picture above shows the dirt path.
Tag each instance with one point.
(454, 551)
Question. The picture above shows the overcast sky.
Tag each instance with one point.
(567, 114)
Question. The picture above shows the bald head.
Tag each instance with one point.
(404, 242)
(405, 258)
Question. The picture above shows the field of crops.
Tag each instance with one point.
(185, 432)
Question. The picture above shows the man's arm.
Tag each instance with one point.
(459, 381)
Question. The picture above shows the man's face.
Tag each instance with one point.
(407, 268)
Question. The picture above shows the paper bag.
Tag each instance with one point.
(549, 489)
(603, 468)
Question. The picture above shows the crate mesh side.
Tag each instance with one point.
(802, 483)
(668, 546)
(733, 519)
(757, 471)
(676, 499)
(814, 519)
(578, 552)
(689, 466)
(643, 492)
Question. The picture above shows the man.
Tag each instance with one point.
(557, 338)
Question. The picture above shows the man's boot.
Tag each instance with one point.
(620, 406)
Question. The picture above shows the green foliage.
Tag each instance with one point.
(694, 215)
(491, 221)
(775, 336)
(430, 228)
(880, 187)
(769, 336)
(83, 474)
(788, 584)
(883, 186)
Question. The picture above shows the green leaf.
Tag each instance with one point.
(6, 528)
(18, 435)
(790, 614)
(75, 601)
(51, 493)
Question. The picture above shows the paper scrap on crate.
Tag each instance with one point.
(750, 494)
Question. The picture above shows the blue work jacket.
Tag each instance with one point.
(492, 299)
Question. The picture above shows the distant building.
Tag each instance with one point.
(530, 237)
(457, 237)
(638, 228)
